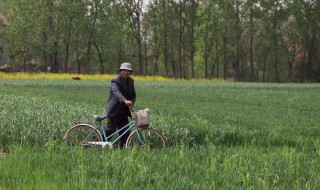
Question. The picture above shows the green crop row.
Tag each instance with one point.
(207, 167)
(219, 136)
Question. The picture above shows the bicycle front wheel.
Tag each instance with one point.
(146, 138)
(81, 134)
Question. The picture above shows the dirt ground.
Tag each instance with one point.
(3, 154)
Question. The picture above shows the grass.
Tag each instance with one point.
(220, 135)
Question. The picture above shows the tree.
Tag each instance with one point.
(205, 31)
(165, 36)
(175, 38)
(24, 31)
(134, 11)
(154, 21)
(193, 15)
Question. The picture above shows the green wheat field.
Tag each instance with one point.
(220, 135)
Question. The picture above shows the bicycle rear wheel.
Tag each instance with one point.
(146, 138)
(81, 134)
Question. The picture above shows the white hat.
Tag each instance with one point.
(126, 66)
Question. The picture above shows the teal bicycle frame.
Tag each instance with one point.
(100, 127)
(140, 133)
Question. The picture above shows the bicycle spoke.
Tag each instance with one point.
(146, 138)
(79, 135)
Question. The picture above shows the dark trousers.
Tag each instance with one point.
(118, 122)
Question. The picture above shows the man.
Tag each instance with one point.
(121, 100)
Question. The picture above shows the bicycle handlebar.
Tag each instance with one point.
(133, 113)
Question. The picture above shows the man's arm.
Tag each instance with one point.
(115, 88)
(134, 93)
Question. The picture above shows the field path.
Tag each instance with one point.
(3, 154)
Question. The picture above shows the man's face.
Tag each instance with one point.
(125, 73)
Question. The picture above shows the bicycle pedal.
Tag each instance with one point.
(107, 144)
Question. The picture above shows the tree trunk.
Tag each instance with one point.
(275, 43)
(192, 38)
(225, 51)
(173, 63)
(225, 65)
(44, 52)
(67, 47)
(311, 53)
(101, 59)
(302, 68)
(66, 61)
(217, 58)
(264, 63)
(145, 55)
(165, 38)
(236, 63)
(139, 41)
(180, 39)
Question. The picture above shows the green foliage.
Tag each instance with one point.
(219, 135)
(184, 39)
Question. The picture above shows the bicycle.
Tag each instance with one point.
(87, 135)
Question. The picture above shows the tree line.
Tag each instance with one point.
(247, 40)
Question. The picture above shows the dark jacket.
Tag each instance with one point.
(117, 95)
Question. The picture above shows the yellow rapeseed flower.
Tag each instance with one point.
(63, 76)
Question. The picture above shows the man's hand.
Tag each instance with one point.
(128, 103)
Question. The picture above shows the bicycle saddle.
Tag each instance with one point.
(100, 117)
